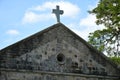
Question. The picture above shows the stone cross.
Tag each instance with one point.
(57, 12)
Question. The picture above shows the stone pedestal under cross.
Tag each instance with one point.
(57, 12)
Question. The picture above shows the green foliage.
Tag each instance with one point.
(116, 60)
(108, 40)
(108, 13)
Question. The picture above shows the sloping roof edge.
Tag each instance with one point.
(74, 34)
(31, 36)
(93, 49)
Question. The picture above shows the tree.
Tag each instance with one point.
(107, 40)
(115, 60)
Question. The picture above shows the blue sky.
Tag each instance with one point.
(22, 18)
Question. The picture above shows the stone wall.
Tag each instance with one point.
(57, 50)
(32, 75)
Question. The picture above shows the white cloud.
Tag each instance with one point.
(88, 21)
(13, 32)
(82, 33)
(89, 25)
(31, 17)
(43, 12)
(85, 26)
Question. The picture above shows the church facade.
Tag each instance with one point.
(55, 53)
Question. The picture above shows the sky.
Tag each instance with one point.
(22, 18)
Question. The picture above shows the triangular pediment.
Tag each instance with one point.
(57, 49)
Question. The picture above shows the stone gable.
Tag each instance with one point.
(55, 53)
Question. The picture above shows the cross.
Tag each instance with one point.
(57, 12)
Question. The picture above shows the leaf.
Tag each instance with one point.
(108, 39)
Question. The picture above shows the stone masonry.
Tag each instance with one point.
(55, 53)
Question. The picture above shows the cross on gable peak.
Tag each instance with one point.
(57, 12)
